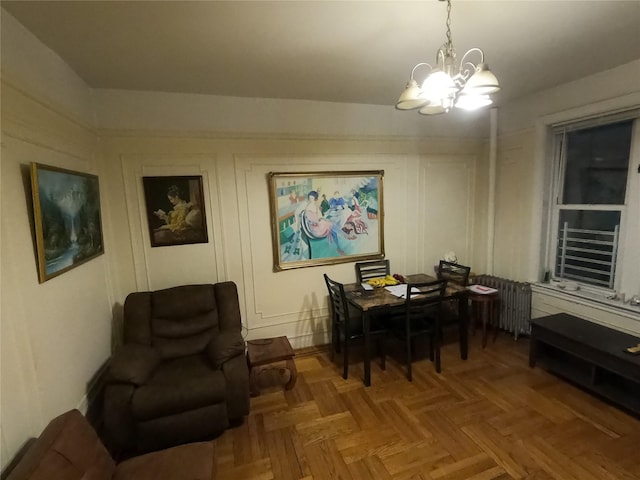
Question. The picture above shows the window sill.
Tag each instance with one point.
(590, 299)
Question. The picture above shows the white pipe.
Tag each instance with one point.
(491, 202)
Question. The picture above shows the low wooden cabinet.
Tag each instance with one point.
(590, 355)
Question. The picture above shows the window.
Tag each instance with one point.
(594, 191)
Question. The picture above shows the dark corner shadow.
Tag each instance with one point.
(96, 384)
(95, 395)
(25, 172)
(318, 325)
(117, 326)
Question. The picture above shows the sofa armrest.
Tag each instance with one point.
(236, 373)
(225, 346)
(133, 364)
(68, 447)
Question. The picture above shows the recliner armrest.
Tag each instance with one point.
(225, 346)
(133, 364)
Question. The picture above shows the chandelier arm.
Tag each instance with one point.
(413, 70)
(441, 54)
(467, 69)
(464, 59)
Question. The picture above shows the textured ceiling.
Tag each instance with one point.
(356, 51)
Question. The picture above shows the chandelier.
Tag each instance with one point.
(467, 85)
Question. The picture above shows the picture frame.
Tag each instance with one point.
(175, 210)
(323, 218)
(67, 219)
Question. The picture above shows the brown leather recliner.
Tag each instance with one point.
(181, 375)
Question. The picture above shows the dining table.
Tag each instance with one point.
(379, 300)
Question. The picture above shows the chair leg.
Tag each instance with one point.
(431, 341)
(435, 346)
(495, 317)
(345, 361)
(335, 343)
(485, 315)
(409, 373)
(381, 352)
(475, 313)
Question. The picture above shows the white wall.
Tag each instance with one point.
(209, 114)
(523, 172)
(38, 70)
(417, 177)
(523, 114)
(55, 335)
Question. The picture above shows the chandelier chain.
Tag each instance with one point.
(449, 44)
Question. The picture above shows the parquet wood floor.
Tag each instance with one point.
(490, 417)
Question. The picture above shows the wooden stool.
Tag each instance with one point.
(269, 350)
(485, 307)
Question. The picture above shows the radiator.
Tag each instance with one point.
(515, 303)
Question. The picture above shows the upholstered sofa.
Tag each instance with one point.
(181, 375)
(69, 449)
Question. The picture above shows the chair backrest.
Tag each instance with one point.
(337, 300)
(454, 273)
(181, 321)
(339, 306)
(424, 297)
(374, 269)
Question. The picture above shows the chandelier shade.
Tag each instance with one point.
(483, 82)
(473, 102)
(410, 98)
(431, 110)
(466, 85)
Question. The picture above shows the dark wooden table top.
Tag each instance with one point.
(597, 336)
(380, 297)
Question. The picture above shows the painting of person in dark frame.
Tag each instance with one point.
(175, 210)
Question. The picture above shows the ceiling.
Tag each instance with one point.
(336, 51)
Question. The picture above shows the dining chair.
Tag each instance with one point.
(454, 273)
(374, 269)
(346, 325)
(421, 317)
(459, 275)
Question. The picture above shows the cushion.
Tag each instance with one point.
(179, 386)
(183, 301)
(193, 461)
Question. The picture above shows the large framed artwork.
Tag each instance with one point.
(175, 210)
(326, 217)
(68, 225)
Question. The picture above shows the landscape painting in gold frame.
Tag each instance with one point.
(68, 225)
(325, 218)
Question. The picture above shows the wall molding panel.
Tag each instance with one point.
(161, 267)
(446, 196)
(278, 300)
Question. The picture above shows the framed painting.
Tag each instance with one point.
(325, 218)
(175, 210)
(67, 219)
